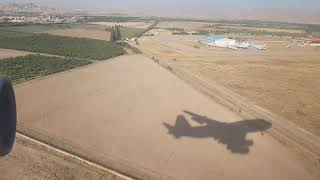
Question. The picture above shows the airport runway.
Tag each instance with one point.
(131, 115)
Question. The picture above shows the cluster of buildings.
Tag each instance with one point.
(222, 42)
(312, 42)
(34, 13)
(31, 19)
(42, 19)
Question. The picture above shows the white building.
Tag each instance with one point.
(218, 41)
(222, 42)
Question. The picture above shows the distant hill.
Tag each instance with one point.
(266, 14)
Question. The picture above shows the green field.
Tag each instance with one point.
(38, 28)
(31, 28)
(58, 45)
(130, 32)
(27, 67)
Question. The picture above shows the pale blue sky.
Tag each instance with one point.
(239, 4)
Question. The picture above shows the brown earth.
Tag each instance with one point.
(82, 33)
(283, 80)
(8, 53)
(211, 26)
(183, 25)
(134, 116)
(265, 29)
(31, 161)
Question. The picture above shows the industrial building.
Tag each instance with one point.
(222, 42)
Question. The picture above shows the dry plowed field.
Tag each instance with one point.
(8, 53)
(183, 25)
(29, 161)
(134, 116)
(82, 33)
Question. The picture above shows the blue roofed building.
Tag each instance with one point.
(211, 39)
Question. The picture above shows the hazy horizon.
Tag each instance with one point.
(191, 4)
(307, 11)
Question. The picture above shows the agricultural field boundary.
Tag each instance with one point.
(297, 139)
(72, 157)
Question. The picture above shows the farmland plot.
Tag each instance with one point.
(131, 114)
(82, 33)
(8, 53)
(58, 45)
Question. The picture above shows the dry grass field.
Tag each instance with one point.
(265, 29)
(140, 24)
(82, 33)
(206, 26)
(183, 25)
(283, 80)
(8, 53)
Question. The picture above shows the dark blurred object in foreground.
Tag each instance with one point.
(8, 116)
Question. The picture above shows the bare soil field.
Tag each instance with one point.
(265, 29)
(183, 25)
(82, 33)
(283, 80)
(8, 53)
(140, 24)
(131, 114)
(29, 161)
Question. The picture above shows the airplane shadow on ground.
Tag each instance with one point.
(233, 134)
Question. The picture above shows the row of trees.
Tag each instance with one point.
(115, 33)
(27, 67)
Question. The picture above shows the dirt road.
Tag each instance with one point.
(134, 116)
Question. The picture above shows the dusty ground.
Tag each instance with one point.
(213, 26)
(8, 53)
(283, 80)
(183, 24)
(140, 24)
(265, 29)
(30, 161)
(131, 114)
(82, 33)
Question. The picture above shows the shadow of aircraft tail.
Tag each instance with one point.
(179, 128)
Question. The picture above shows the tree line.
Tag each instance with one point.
(115, 33)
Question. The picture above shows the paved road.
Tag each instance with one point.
(134, 116)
